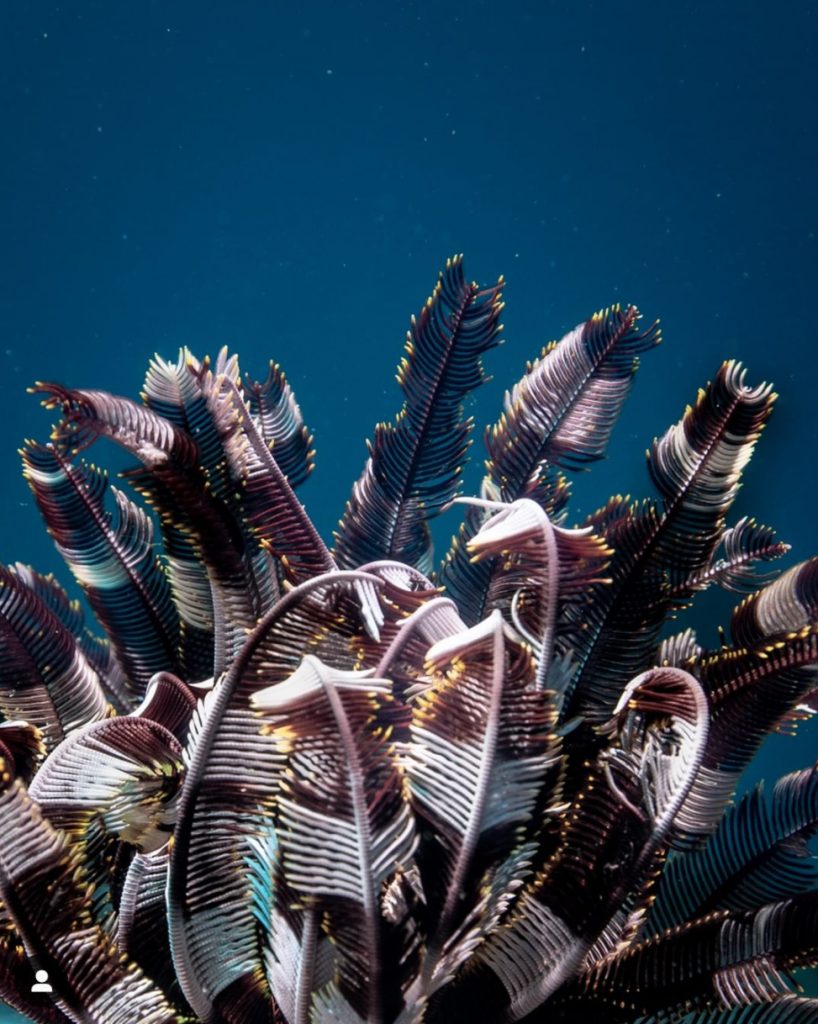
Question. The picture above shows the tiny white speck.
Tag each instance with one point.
(454, 131)
(124, 237)
(99, 127)
(582, 49)
(718, 195)
(329, 71)
(45, 35)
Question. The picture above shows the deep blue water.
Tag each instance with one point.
(287, 179)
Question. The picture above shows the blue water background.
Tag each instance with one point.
(287, 179)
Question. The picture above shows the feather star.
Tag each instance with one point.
(293, 783)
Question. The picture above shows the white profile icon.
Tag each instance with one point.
(42, 982)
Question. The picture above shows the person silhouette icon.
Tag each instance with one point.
(42, 984)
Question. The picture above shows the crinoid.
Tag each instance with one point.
(297, 784)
